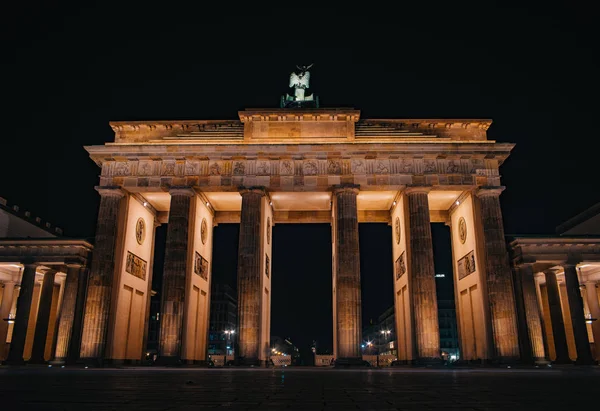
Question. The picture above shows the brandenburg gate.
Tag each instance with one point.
(297, 165)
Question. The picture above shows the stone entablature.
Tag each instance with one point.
(554, 250)
(285, 126)
(306, 167)
(45, 251)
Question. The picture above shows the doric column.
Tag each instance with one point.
(422, 272)
(249, 274)
(556, 317)
(591, 293)
(7, 300)
(17, 344)
(499, 284)
(348, 292)
(67, 312)
(76, 333)
(43, 317)
(97, 306)
(582, 343)
(532, 312)
(174, 276)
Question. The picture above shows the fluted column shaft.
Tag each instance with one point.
(67, 312)
(97, 306)
(498, 277)
(348, 292)
(43, 318)
(532, 312)
(76, 333)
(249, 274)
(582, 343)
(422, 271)
(7, 300)
(556, 317)
(594, 306)
(17, 344)
(174, 276)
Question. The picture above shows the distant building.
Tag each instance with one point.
(35, 253)
(223, 320)
(381, 334)
(448, 329)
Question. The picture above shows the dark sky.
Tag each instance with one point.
(67, 71)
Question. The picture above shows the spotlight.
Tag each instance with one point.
(145, 204)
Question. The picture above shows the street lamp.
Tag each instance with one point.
(229, 334)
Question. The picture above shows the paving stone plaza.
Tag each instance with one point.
(42, 388)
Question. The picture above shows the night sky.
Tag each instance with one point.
(67, 71)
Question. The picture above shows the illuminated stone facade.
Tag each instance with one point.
(278, 166)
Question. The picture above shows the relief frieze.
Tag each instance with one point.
(263, 168)
(358, 166)
(168, 168)
(309, 168)
(286, 167)
(239, 168)
(334, 167)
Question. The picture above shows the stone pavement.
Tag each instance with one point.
(37, 388)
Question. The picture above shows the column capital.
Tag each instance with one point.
(345, 188)
(484, 191)
(110, 191)
(253, 189)
(182, 191)
(417, 188)
(590, 283)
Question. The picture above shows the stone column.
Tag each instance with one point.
(524, 342)
(67, 312)
(249, 274)
(532, 312)
(174, 276)
(348, 292)
(41, 325)
(582, 343)
(422, 276)
(498, 277)
(556, 317)
(7, 300)
(75, 344)
(17, 344)
(97, 306)
(592, 300)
